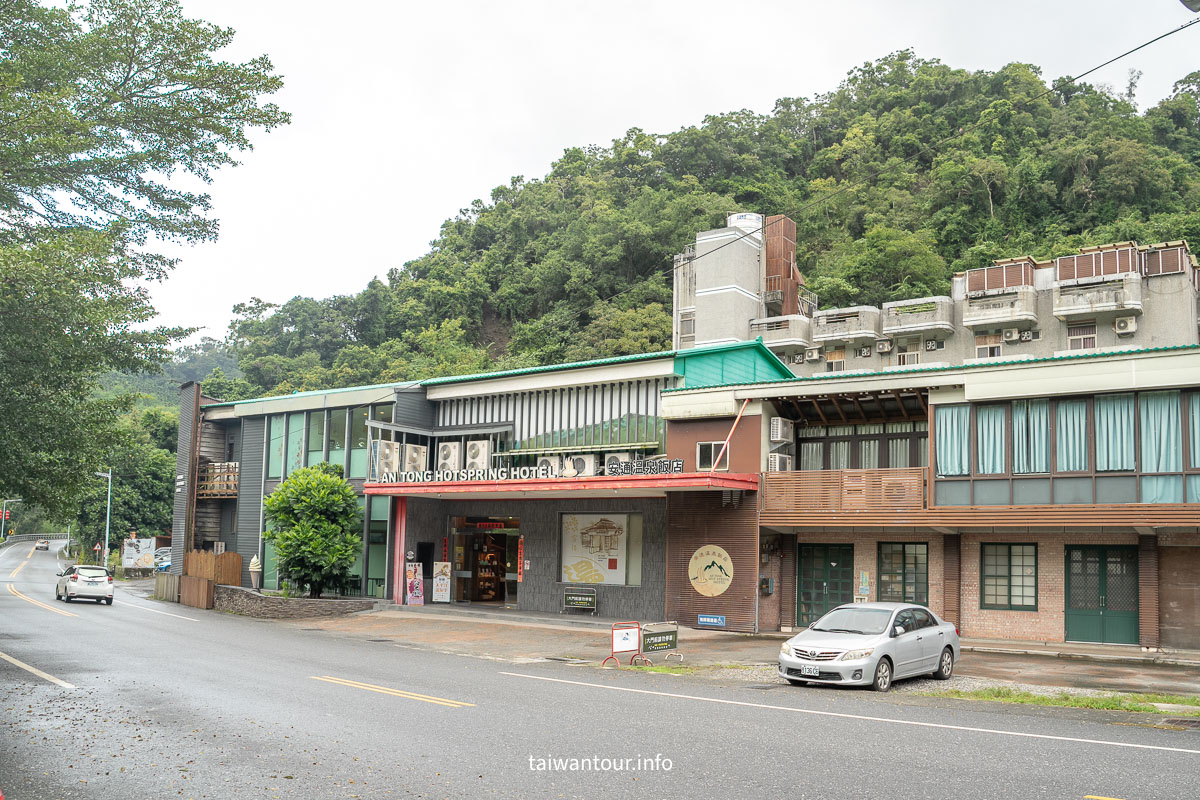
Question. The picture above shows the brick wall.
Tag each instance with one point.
(1047, 624)
(251, 604)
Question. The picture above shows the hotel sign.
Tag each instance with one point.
(542, 471)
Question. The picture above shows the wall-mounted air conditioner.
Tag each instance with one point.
(1012, 334)
(1124, 326)
(449, 456)
(812, 354)
(612, 462)
(579, 465)
(416, 458)
(552, 464)
(883, 346)
(479, 454)
(778, 462)
(782, 430)
(387, 458)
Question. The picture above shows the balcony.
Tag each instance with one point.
(217, 481)
(846, 324)
(1090, 297)
(926, 315)
(868, 490)
(995, 308)
(791, 330)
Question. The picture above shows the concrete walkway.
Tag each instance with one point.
(506, 635)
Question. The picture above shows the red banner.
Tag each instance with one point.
(520, 559)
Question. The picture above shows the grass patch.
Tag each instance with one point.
(668, 669)
(1108, 702)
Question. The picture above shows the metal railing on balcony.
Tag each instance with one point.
(845, 490)
(217, 481)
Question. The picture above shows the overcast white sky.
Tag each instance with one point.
(404, 113)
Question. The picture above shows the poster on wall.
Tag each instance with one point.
(416, 587)
(441, 581)
(137, 554)
(594, 548)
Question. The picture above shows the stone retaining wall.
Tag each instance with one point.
(253, 604)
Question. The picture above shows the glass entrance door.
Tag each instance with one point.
(825, 580)
(1102, 595)
(460, 580)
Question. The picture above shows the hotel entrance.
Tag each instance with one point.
(484, 559)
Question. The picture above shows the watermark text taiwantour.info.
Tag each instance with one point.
(594, 763)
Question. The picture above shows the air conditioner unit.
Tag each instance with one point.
(883, 346)
(612, 460)
(782, 430)
(386, 458)
(579, 465)
(1012, 334)
(798, 358)
(449, 456)
(1123, 326)
(551, 464)
(812, 354)
(778, 462)
(416, 458)
(479, 454)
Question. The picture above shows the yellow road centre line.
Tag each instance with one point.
(36, 671)
(442, 701)
(32, 550)
(20, 567)
(860, 717)
(13, 591)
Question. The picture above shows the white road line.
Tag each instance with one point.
(128, 604)
(914, 723)
(36, 671)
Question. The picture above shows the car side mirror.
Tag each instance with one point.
(898, 630)
(59, 573)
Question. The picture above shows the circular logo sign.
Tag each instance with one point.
(710, 570)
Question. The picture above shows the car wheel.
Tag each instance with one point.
(108, 600)
(883, 676)
(99, 600)
(795, 682)
(57, 596)
(945, 666)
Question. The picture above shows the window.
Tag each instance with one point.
(1031, 436)
(358, 443)
(275, 426)
(908, 351)
(1071, 435)
(835, 360)
(706, 452)
(337, 437)
(605, 548)
(924, 618)
(383, 413)
(1161, 446)
(953, 440)
(316, 436)
(1008, 576)
(990, 435)
(1114, 432)
(295, 441)
(903, 573)
(687, 325)
(1081, 336)
(987, 345)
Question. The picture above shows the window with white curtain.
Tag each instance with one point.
(953, 440)
(1031, 436)
(990, 435)
(1161, 446)
(1114, 432)
(1071, 436)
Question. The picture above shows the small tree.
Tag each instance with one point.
(314, 523)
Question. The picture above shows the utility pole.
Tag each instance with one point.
(107, 514)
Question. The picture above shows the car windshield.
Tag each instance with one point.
(854, 620)
(92, 572)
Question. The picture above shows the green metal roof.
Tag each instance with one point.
(310, 393)
(825, 376)
(509, 373)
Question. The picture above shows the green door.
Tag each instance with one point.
(824, 579)
(1102, 595)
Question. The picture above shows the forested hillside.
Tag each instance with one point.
(577, 264)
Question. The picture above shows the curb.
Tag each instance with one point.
(1103, 658)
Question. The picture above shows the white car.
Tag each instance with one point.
(84, 582)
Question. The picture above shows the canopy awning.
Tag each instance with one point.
(593, 486)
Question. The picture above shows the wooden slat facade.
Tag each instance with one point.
(1148, 591)
(196, 592)
(218, 480)
(952, 577)
(225, 569)
(845, 490)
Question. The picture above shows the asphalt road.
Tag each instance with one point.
(166, 701)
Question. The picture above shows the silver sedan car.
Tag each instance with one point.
(871, 644)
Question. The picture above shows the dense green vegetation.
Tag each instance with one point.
(577, 264)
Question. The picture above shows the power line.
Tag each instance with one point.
(961, 132)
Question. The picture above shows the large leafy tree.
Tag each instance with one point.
(314, 523)
(102, 108)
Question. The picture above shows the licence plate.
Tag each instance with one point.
(92, 583)
(807, 670)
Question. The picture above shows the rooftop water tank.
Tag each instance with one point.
(745, 221)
